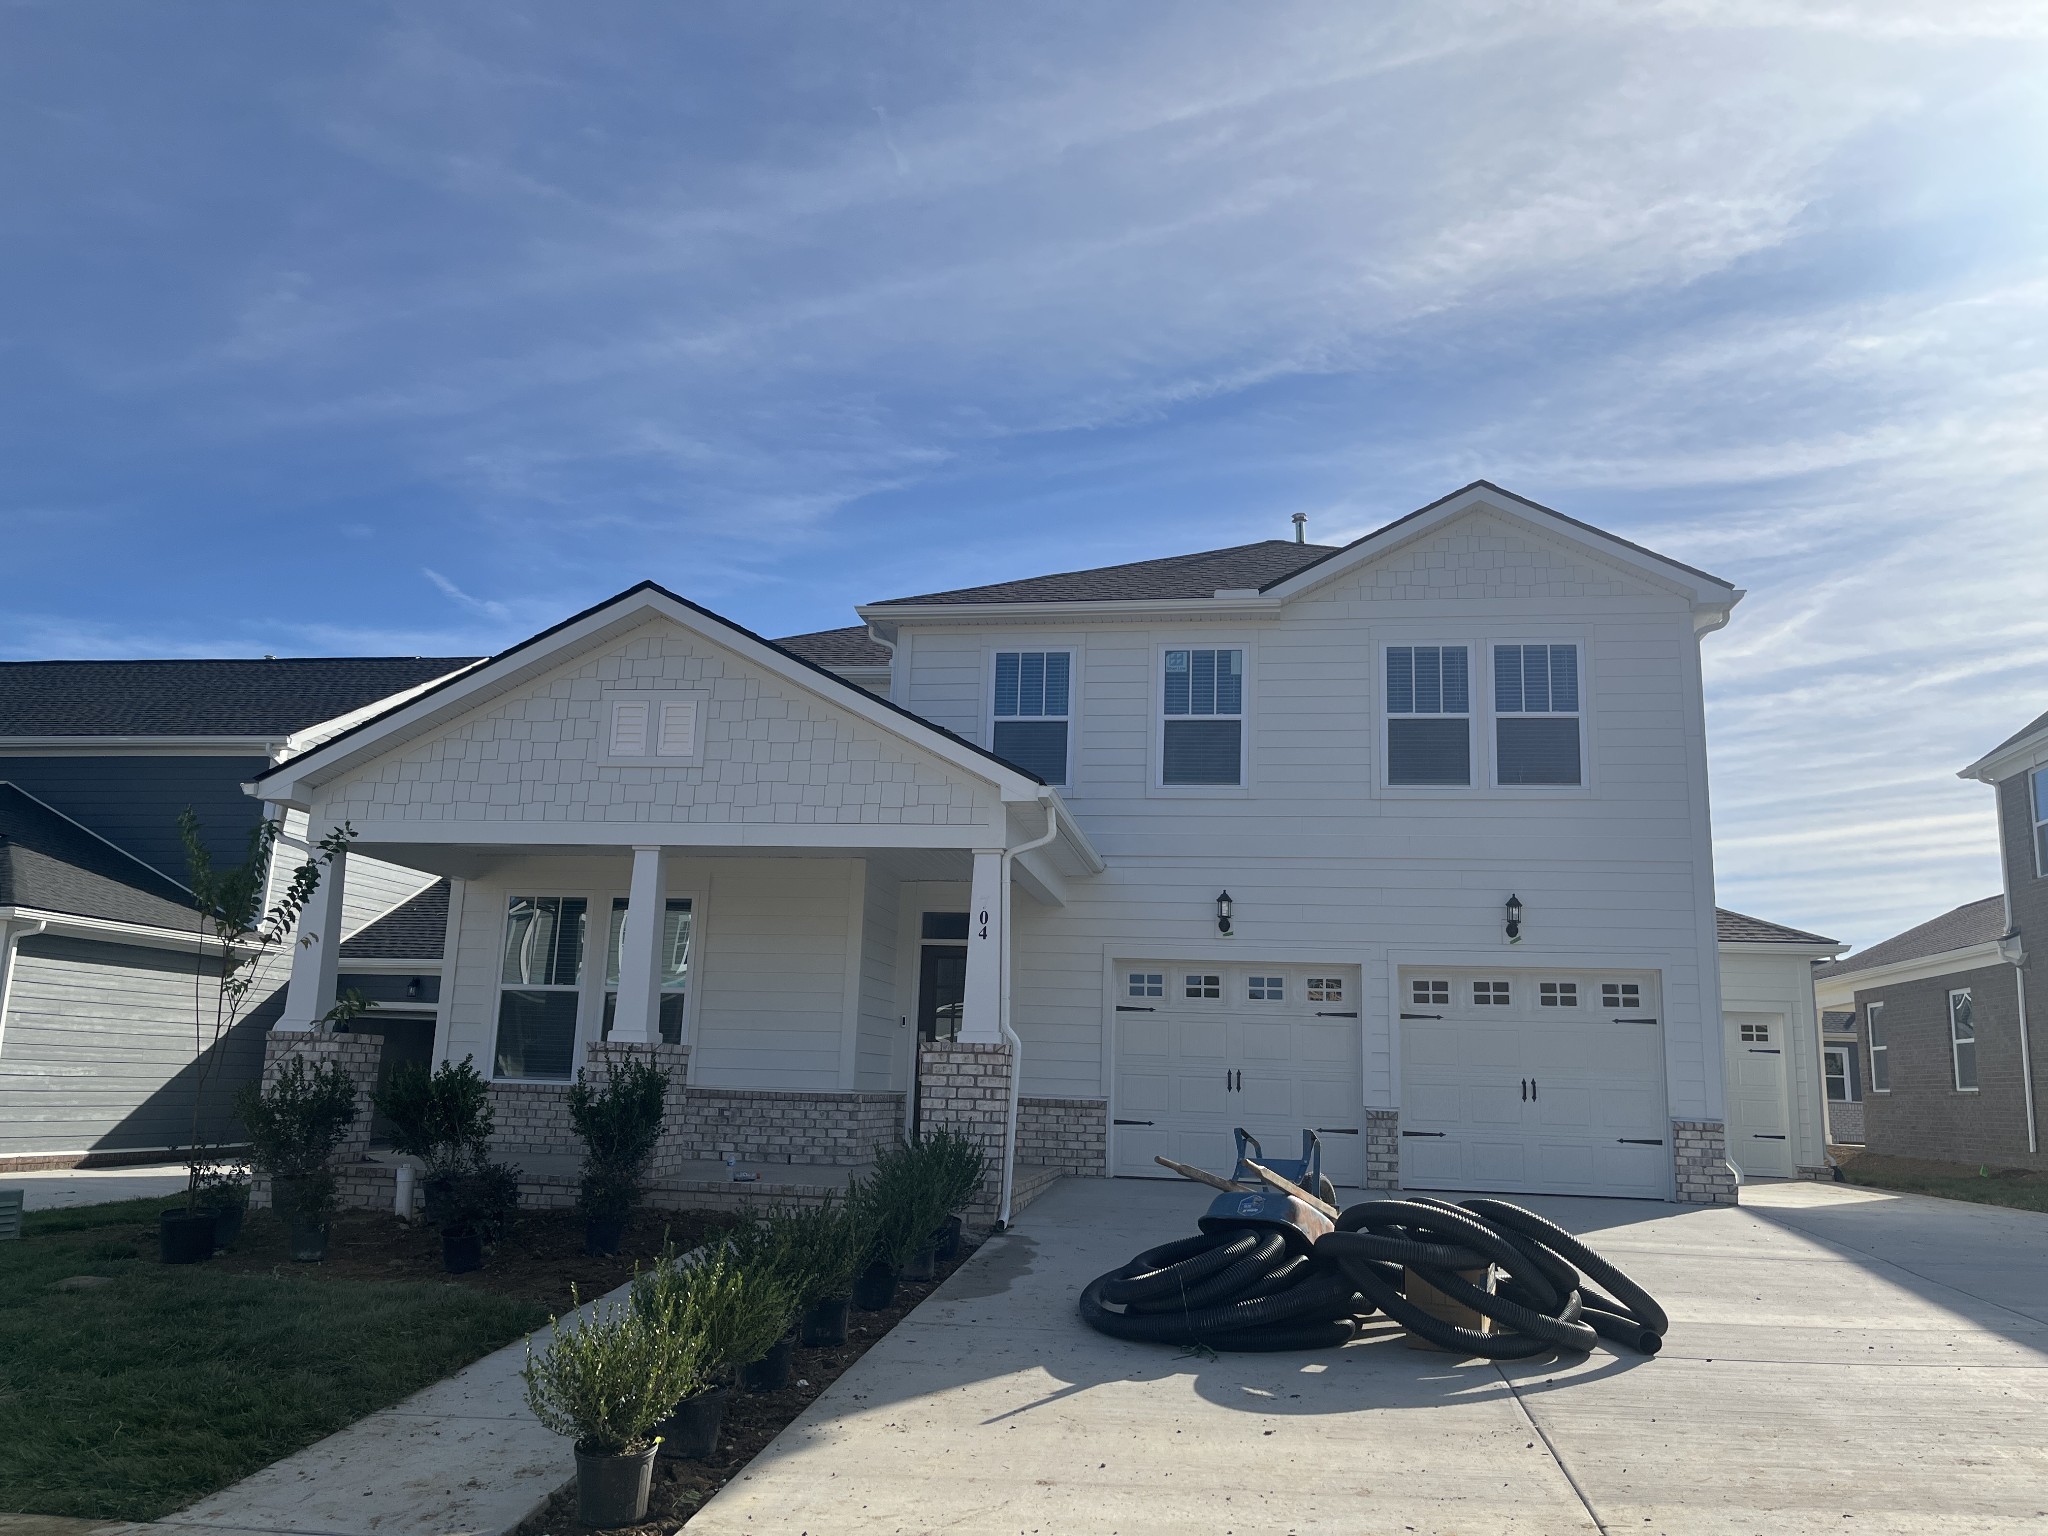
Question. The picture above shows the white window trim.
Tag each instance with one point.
(1494, 717)
(1955, 1061)
(1872, 1028)
(1072, 716)
(2035, 778)
(1473, 735)
(1159, 787)
(500, 986)
(654, 698)
(1849, 1094)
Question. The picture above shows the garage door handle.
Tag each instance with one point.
(1638, 1021)
(1416, 1015)
(1640, 1141)
(1351, 1015)
(1130, 1122)
(1133, 1008)
(1438, 1134)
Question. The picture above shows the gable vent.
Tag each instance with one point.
(629, 728)
(678, 737)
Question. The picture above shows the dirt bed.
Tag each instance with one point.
(681, 1488)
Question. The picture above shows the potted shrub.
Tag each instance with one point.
(444, 1118)
(770, 1246)
(223, 1189)
(237, 934)
(620, 1122)
(725, 1314)
(477, 1204)
(960, 1166)
(295, 1124)
(832, 1240)
(605, 1381)
(905, 1205)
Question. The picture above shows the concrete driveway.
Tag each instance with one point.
(1840, 1360)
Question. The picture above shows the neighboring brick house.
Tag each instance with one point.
(1943, 1042)
(1841, 1054)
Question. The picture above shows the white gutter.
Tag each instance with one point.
(10, 937)
(1052, 830)
(108, 930)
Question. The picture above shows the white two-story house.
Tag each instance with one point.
(1406, 843)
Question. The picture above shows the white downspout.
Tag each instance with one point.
(2019, 978)
(10, 941)
(2012, 950)
(1052, 829)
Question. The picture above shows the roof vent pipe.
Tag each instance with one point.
(1301, 527)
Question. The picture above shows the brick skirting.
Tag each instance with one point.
(1071, 1135)
(1382, 1149)
(967, 1087)
(357, 1055)
(1699, 1156)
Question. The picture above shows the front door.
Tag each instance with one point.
(1759, 1131)
(941, 990)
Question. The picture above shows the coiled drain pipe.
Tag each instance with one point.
(1268, 1287)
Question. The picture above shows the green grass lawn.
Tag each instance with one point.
(2014, 1187)
(133, 1399)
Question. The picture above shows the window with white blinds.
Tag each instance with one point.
(1429, 715)
(1536, 714)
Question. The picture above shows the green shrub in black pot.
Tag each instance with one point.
(223, 1189)
(770, 1246)
(903, 1201)
(620, 1123)
(295, 1125)
(832, 1241)
(959, 1165)
(726, 1314)
(605, 1381)
(443, 1118)
(477, 1206)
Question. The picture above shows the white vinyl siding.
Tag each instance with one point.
(1962, 1035)
(1032, 710)
(1537, 724)
(1429, 715)
(1880, 1063)
(1202, 732)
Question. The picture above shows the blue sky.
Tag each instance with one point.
(365, 328)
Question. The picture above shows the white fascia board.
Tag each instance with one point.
(110, 931)
(326, 730)
(386, 966)
(1763, 947)
(2029, 751)
(789, 837)
(1709, 595)
(141, 746)
(886, 619)
(1843, 986)
(292, 782)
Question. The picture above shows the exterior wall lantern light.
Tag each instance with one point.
(1514, 919)
(1223, 914)
(412, 988)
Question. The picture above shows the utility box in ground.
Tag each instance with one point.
(1443, 1308)
(11, 1201)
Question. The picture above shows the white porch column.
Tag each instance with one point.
(987, 928)
(316, 952)
(637, 1020)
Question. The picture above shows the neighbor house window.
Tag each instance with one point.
(1962, 1035)
(2038, 782)
(675, 966)
(1204, 726)
(1880, 1063)
(1838, 1068)
(1032, 711)
(1429, 715)
(538, 984)
(1536, 714)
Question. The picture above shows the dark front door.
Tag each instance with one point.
(941, 987)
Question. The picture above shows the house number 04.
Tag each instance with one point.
(981, 920)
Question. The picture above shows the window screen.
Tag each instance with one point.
(1204, 728)
(1429, 715)
(1032, 699)
(1536, 714)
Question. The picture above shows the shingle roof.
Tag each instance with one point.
(1740, 928)
(849, 647)
(415, 930)
(52, 864)
(1974, 922)
(201, 698)
(2020, 735)
(1838, 1021)
(1178, 576)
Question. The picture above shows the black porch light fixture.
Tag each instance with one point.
(412, 988)
(1223, 914)
(1514, 919)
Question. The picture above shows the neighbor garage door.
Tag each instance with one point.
(1538, 1082)
(1202, 1049)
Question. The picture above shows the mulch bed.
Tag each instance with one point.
(681, 1488)
(538, 1261)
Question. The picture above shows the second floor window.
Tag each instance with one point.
(1962, 1034)
(1032, 711)
(1203, 741)
(1536, 714)
(1880, 1061)
(1429, 715)
(2037, 781)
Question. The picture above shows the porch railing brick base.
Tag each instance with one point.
(966, 1086)
(1382, 1149)
(1071, 1135)
(357, 1055)
(1699, 1155)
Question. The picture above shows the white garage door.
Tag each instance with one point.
(1759, 1130)
(1202, 1049)
(1537, 1082)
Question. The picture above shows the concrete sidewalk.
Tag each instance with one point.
(1840, 1360)
(58, 1189)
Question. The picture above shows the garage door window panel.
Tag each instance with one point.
(1429, 716)
(1536, 717)
(1202, 734)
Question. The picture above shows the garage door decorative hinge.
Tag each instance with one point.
(1637, 1021)
(1134, 1008)
(1420, 1015)
(1351, 1015)
(1336, 1130)
(1768, 1135)
(1130, 1122)
(1640, 1141)
(1438, 1134)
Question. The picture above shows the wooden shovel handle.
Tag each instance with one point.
(1200, 1175)
(1289, 1186)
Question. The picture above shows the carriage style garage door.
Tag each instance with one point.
(1201, 1049)
(1536, 1082)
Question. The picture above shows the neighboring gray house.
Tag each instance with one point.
(98, 942)
(1841, 1051)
